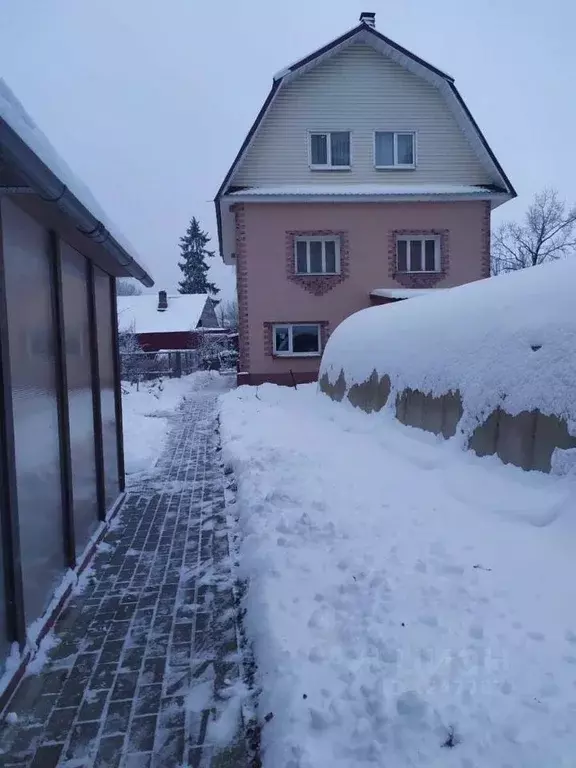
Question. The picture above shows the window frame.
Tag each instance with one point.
(422, 239)
(315, 238)
(397, 166)
(290, 352)
(328, 166)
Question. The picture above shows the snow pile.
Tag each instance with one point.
(508, 341)
(409, 604)
(146, 409)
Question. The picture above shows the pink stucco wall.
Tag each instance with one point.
(267, 295)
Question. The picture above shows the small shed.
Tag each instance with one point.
(61, 452)
(167, 321)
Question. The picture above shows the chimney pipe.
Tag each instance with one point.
(162, 301)
(368, 18)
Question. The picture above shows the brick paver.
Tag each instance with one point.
(149, 653)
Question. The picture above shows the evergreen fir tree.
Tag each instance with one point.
(193, 265)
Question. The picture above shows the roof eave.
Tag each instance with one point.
(46, 183)
(499, 197)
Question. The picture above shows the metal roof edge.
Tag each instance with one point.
(53, 190)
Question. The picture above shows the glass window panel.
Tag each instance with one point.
(384, 148)
(402, 255)
(430, 255)
(415, 255)
(405, 148)
(31, 333)
(330, 250)
(80, 407)
(301, 258)
(319, 149)
(107, 392)
(316, 256)
(4, 644)
(340, 148)
(281, 339)
(305, 339)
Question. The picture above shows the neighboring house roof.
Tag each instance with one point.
(26, 146)
(139, 314)
(367, 34)
(303, 191)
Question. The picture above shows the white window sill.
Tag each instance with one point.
(296, 354)
(330, 167)
(395, 167)
(421, 272)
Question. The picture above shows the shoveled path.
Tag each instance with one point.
(148, 670)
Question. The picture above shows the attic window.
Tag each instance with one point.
(394, 150)
(330, 150)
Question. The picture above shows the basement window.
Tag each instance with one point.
(296, 340)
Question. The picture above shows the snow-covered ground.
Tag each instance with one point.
(410, 604)
(145, 413)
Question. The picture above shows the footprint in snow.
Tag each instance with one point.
(537, 636)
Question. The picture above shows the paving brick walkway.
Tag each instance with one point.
(148, 670)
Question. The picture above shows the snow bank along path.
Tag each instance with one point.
(495, 349)
(410, 604)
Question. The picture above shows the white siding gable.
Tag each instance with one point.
(361, 91)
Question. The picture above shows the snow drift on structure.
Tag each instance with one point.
(505, 344)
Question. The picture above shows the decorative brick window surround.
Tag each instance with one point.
(419, 279)
(269, 330)
(317, 284)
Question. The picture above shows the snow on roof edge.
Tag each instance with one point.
(363, 189)
(15, 115)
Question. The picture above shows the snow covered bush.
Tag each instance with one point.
(496, 359)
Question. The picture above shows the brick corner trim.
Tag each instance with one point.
(416, 279)
(242, 287)
(486, 240)
(317, 284)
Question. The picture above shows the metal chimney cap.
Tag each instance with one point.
(369, 18)
(162, 301)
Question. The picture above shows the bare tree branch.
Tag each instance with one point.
(548, 232)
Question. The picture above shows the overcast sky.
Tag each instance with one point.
(150, 101)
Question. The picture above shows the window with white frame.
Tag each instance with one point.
(317, 255)
(394, 150)
(330, 149)
(418, 253)
(296, 340)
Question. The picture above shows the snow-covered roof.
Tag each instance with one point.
(506, 341)
(140, 314)
(404, 293)
(365, 190)
(16, 117)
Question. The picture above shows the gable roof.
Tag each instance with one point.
(139, 314)
(364, 33)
